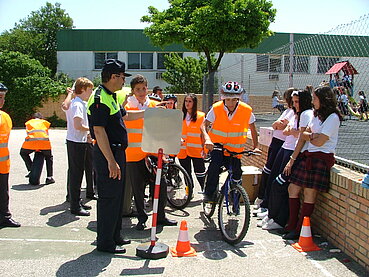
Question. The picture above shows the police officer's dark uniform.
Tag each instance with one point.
(103, 110)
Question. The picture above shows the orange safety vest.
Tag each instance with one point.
(37, 135)
(191, 135)
(232, 134)
(134, 130)
(5, 127)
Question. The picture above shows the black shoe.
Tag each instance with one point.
(84, 206)
(80, 212)
(167, 222)
(122, 241)
(293, 235)
(117, 250)
(9, 222)
(140, 226)
(91, 197)
(49, 180)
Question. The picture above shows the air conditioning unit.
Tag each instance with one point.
(159, 75)
(274, 77)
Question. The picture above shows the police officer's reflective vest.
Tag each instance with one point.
(192, 142)
(5, 127)
(99, 95)
(37, 135)
(232, 134)
(134, 130)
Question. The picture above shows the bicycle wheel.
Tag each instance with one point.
(234, 215)
(179, 186)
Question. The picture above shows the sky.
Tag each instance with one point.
(293, 16)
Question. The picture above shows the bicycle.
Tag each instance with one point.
(233, 205)
(179, 183)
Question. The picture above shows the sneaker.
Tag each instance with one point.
(271, 225)
(257, 203)
(263, 221)
(260, 210)
(262, 214)
(49, 180)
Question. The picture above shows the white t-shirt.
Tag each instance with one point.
(287, 114)
(329, 128)
(77, 109)
(290, 141)
(133, 103)
(275, 101)
(344, 99)
(211, 115)
(305, 118)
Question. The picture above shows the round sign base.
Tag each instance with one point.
(147, 251)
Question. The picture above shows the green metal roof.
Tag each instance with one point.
(136, 40)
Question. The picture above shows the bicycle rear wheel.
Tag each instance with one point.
(234, 215)
(179, 186)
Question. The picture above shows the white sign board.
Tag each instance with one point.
(162, 129)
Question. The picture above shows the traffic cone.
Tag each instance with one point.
(305, 243)
(183, 248)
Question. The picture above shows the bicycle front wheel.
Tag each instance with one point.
(179, 186)
(234, 215)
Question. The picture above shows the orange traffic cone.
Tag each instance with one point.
(305, 243)
(183, 248)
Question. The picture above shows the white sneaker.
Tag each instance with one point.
(259, 210)
(257, 203)
(263, 221)
(262, 214)
(271, 225)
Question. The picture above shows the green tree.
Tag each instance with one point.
(36, 34)
(29, 84)
(185, 75)
(211, 26)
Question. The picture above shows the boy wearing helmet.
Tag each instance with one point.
(229, 119)
(170, 101)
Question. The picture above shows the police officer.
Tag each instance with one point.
(5, 127)
(107, 127)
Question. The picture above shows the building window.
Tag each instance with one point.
(325, 63)
(262, 62)
(140, 61)
(266, 63)
(300, 64)
(100, 58)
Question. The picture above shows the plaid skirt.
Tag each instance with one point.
(317, 177)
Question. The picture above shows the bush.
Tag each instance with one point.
(56, 121)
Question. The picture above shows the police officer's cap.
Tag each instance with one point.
(3, 87)
(115, 66)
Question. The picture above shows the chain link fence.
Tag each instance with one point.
(305, 60)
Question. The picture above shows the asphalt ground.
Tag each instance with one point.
(53, 242)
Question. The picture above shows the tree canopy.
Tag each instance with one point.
(211, 26)
(36, 34)
(29, 84)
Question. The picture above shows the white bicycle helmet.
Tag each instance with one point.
(231, 90)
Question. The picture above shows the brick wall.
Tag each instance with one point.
(341, 215)
(260, 104)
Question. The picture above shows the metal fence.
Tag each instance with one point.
(304, 61)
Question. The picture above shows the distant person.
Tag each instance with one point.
(5, 128)
(38, 142)
(170, 101)
(363, 106)
(276, 102)
(158, 91)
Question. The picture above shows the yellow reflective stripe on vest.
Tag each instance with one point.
(194, 145)
(34, 139)
(197, 135)
(36, 131)
(234, 145)
(134, 144)
(134, 131)
(5, 158)
(4, 145)
(230, 134)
